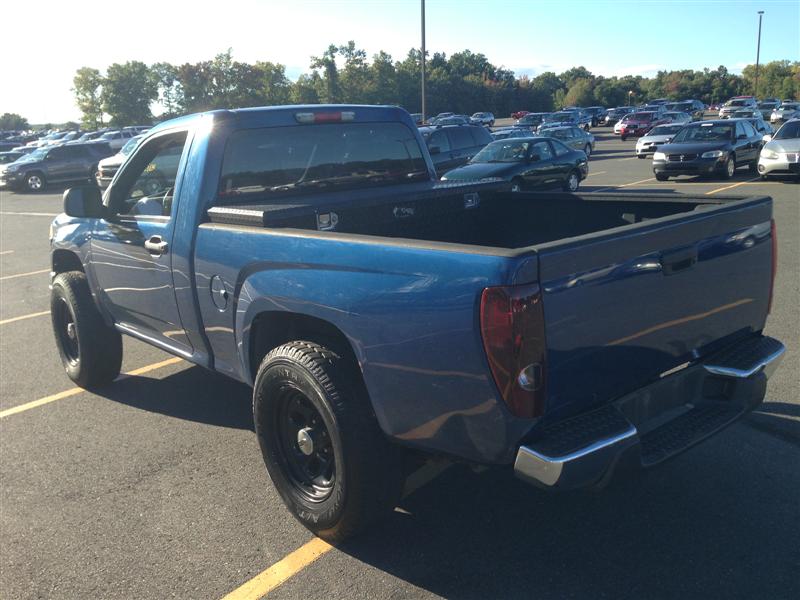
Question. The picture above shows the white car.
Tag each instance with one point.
(117, 139)
(661, 134)
(618, 124)
(735, 104)
(781, 153)
(784, 112)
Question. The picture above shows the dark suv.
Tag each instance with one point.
(55, 164)
(453, 145)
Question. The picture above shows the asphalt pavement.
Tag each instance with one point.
(155, 488)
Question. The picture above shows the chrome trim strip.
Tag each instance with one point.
(768, 364)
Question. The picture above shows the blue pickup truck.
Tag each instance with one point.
(382, 316)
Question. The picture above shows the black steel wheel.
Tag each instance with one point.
(325, 453)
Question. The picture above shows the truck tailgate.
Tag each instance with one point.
(622, 307)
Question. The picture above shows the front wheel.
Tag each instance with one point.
(730, 168)
(35, 182)
(661, 177)
(90, 350)
(587, 150)
(572, 182)
(323, 448)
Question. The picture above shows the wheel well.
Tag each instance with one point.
(64, 260)
(272, 329)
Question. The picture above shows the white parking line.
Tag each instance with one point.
(4, 252)
(24, 317)
(24, 274)
(28, 214)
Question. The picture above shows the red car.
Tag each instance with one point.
(639, 123)
(519, 114)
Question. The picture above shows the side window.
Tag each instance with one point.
(56, 154)
(542, 149)
(460, 138)
(72, 152)
(146, 185)
(480, 136)
(439, 138)
(560, 148)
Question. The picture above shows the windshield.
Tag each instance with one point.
(766, 104)
(789, 106)
(707, 132)
(737, 103)
(284, 160)
(502, 152)
(665, 130)
(560, 117)
(790, 130)
(129, 146)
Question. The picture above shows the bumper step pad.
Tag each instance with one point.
(746, 359)
(685, 431)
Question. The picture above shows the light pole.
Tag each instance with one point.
(423, 61)
(758, 51)
(630, 94)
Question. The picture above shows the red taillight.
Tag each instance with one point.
(773, 234)
(512, 326)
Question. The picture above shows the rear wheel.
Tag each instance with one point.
(640, 156)
(573, 182)
(90, 350)
(321, 442)
(662, 177)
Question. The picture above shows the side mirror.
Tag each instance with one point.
(766, 139)
(84, 202)
(434, 150)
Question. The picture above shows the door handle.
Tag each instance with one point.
(678, 260)
(156, 246)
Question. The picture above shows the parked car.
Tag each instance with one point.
(92, 135)
(766, 106)
(54, 164)
(116, 139)
(744, 113)
(657, 136)
(23, 149)
(510, 132)
(694, 108)
(527, 164)
(532, 120)
(451, 146)
(417, 118)
(760, 125)
(375, 311)
(48, 139)
(709, 148)
(787, 110)
(519, 114)
(482, 118)
(9, 156)
(596, 113)
(576, 138)
(677, 117)
(614, 115)
(108, 167)
(558, 119)
(639, 123)
(659, 109)
(735, 104)
(781, 153)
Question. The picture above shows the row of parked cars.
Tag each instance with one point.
(772, 109)
(65, 156)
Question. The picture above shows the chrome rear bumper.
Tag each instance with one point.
(654, 423)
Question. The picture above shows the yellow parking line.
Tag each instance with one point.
(28, 214)
(23, 317)
(598, 173)
(76, 390)
(266, 581)
(289, 566)
(4, 252)
(24, 274)
(637, 182)
(730, 187)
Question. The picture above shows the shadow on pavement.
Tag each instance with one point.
(193, 394)
(714, 523)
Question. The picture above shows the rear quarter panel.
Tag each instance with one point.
(409, 312)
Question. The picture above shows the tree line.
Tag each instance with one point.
(464, 82)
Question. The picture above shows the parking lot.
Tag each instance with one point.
(155, 488)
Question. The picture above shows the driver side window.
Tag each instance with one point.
(146, 186)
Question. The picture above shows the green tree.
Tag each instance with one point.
(13, 121)
(354, 78)
(306, 89)
(128, 91)
(170, 91)
(331, 91)
(579, 93)
(87, 86)
(276, 88)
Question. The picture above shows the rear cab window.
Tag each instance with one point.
(281, 161)
(460, 138)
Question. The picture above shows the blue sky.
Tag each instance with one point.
(612, 37)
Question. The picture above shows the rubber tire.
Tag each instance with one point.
(661, 177)
(641, 156)
(369, 471)
(518, 182)
(753, 167)
(29, 189)
(99, 346)
(623, 137)
(566, 183)
(725, 174)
